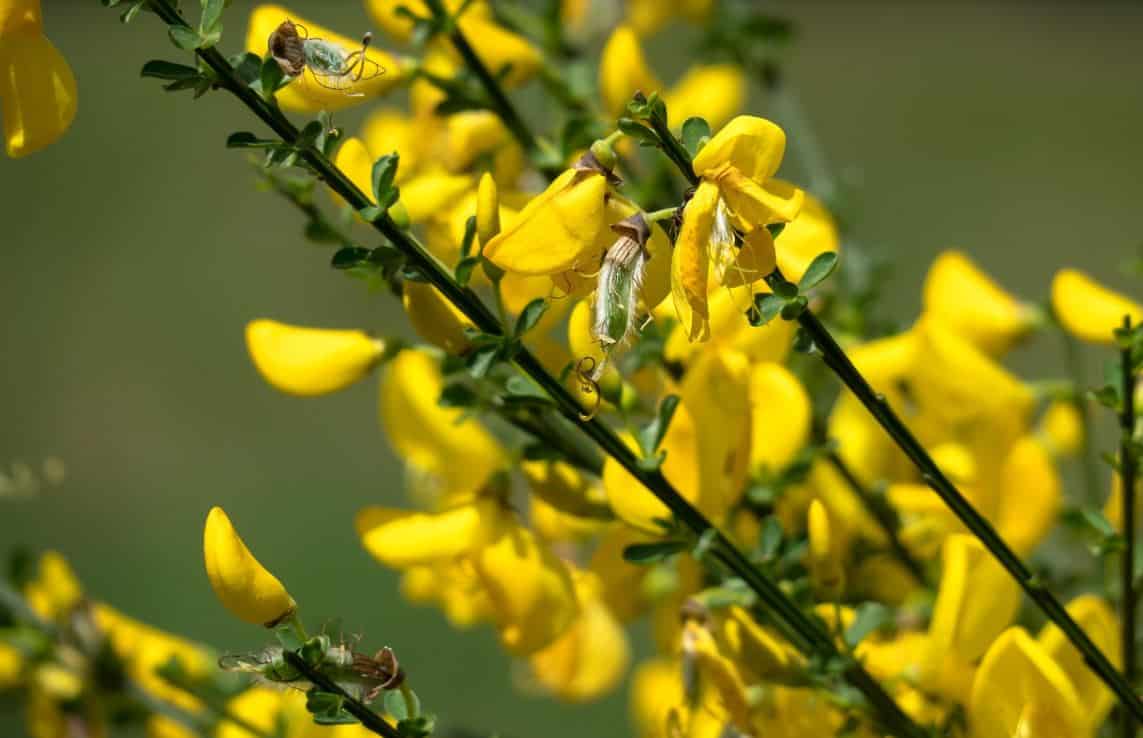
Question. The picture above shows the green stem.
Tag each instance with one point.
(1127, 474)
(837, 360)
(883, 513)
(497, 98)
(674, 149)
(809, 636)
(1073, 358)
(369, 719)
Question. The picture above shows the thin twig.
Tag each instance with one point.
(1127, 474)
(358, 709)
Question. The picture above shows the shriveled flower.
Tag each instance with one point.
(37, 88)
(737, 192)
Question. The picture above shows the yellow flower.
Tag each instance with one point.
(557, 230)
(310, 361)
(530, 590)
(565, 488)
(1098, 620)
(1087, 309)
(1030, 495)
(737, 191)
(313, 92)
(487, 209)
(55, 592)
(37, 89)
(242, 584)
(648, 16)
(496, 47)
(720, 673)
(1113, 507)
(592, 655)
(966, 301)
(623, 70)
(976, 600)
(11, 666)
(1020, 691)
(435, 318)
(454, 586)
(1061, 428)
(402, 538)
(825, 553)
(761, 654)
(780, 416)
(459, 455)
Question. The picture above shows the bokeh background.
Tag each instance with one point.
(135, 250)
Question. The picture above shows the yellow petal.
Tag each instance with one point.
(716, 392)
(310, 93)
(757, 204)
(592, 655)
(487, 209)
(623, 71)
(719, 672)
(427, 194)
(310, 361)
(1030, 496)
(1061, 428)
(810, 234)
(753, 261)
(20, 16)
(1113, 507)
(11, 666)
(533, 599)
(977, 599)
(501, 49)
(1099, 621)
(556, 229)
(471, 134)
(754, 146)
(387, 14)
(242, 584)
(690, 264)
(388, 130)
(459, 454)
(657, 278)
(760, 652)
(969, 303)
(1087, 309)
(781, 415)
(647, 16)
(518, 290)
(55, 591)
(634, 503)
(715, 92)
(37, 91)
(621, 581)
(355, 160)
(403, 538)
(434, 318)
(1017, 676)
(565, 488)
(656, 690)
(825, 552)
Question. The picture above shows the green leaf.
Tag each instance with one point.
(270, 76)
(211, 20)
(770, 539)
(418, 727)
(458, 395)
(651, 553)
(184, 38)
(394, 705)
(820, 268)
(159, 69)
(636, 130)
(871, 616)
(481, 360)
(384, 172)
(795, 307)
(766, 307)
(1108, 396)
(130, 13)
(694, 131)
(464, 270)
(247, 140)
(469, 237)
(651, 436)
(349, 257)
(784, 289)
(530, 315)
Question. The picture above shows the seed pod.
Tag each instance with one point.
(287, 48)
(620, 282)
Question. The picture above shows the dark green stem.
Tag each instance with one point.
(883, 513)
(811, 637)
(1073, 357)
(369, 719)
(1127, 475)
(836, 358)
(497, 98)
(674, 149)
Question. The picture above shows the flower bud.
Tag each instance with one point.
(1087, 309)
(310, 361)
(487, 209)
(1061, 428)
(825, 553)
(434, 318)
(242, 584)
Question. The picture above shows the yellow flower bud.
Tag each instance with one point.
(310, 361)
(402, 538)
(1020, 691)
(487, 209)
(55, 591)
(1061, 429)
(1096, 617)
(623, 71)
(969, 303)
(37, 88)
(434, 318)
(242, 584)
(530, 590)
(825, 552)
(310, 93)
(592, 655)
(1087, 309)
(780, 417)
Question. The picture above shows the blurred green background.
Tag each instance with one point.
(135, 250)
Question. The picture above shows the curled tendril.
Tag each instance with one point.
(584, 372)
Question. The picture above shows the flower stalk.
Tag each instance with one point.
(806, 633)
(369, 719)
(1128, 473)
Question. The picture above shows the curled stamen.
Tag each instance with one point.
(585, 369)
